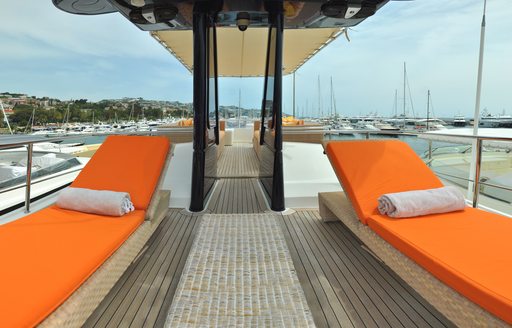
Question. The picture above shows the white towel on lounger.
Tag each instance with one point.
(103, 202)
(421, 202)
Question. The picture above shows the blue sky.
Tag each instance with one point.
(46, 52)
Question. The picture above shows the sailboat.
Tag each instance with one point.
(429, 123)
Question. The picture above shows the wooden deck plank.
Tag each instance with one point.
(133, 296)
(261, 200)
(339, 255)
(214, 197)
(122, 313)
(303, 264)
(307, 286)
(331, 287)
(244, 193)
(238, 161)
(356, 254)
(237, 196)
(409, 300)
(166, 297)
(116, 294)
(137, 312)
(168, 278)
(356, 278)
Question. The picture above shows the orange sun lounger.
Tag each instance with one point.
(47, 255)
(469, 250)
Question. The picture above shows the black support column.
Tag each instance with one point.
(271, 140)
(277, 19)
(200, 29)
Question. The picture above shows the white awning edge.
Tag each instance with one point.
(243, 54)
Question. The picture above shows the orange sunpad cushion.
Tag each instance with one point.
(468, 250)
(47, 255)
(131, 164)
(369, 169)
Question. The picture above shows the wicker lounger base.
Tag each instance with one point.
(457, 308)
(82, 303)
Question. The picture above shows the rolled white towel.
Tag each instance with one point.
(102, 202)
(421, 202)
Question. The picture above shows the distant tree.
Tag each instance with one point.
(21, 115)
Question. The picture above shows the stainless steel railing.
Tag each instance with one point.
(29, 142)
(468, 139)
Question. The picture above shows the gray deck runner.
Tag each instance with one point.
(239, 273)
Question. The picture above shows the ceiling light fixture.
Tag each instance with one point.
(138, 3)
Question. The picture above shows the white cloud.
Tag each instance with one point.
(35, 28)
(49, 51)
(438, 40)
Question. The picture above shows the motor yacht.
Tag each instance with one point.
(459, 121)
(229, 229)
(50, 172)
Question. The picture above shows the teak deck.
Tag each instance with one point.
(344, 284)
(237, 196)
(347, 286)
(238, 161)
(143, 294)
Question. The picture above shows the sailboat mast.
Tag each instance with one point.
(6, 120)
(293, 94)
(428, 106)
(33, 118)
(239, 104)
(405, 75)
(319, 96)
(395, 104)
(332, 99)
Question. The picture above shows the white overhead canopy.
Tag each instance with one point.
(244, 53)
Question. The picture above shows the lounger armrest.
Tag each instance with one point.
(159, 205)
(335, 206)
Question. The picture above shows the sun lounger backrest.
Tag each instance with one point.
(368, 169)
(131, 164)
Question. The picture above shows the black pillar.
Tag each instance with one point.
(200, 29)
(276, 18)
